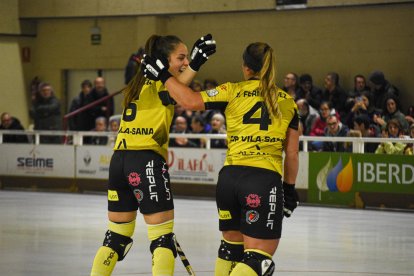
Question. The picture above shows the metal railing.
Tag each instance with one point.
(77, 138)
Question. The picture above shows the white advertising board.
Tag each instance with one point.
(191, 165)
(92, 162)
(37, 160)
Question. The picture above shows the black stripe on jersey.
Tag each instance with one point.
(294, 123)
(216, 105)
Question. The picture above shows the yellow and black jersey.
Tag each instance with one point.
(146, 122)
(253, 138)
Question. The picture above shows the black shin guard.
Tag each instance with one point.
(230, 252)
(261, 264)
(119, 243)
(166, 241)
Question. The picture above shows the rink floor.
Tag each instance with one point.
(44, 234)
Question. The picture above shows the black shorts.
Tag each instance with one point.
(139, 179)
(250, 200)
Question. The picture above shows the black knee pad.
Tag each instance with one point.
(119, 243)
(231, 252)
(261, 264)
(166, 241)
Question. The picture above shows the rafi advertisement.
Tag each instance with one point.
(335, 178)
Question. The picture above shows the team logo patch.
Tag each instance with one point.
(252, 216)
(224, 214)
(138, 194)
(134, 179)
(113, 195)
(253, 200)
(212, 92)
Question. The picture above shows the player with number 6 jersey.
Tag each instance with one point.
(138, 171)
(262, 123)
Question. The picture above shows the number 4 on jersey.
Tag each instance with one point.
(264, 120)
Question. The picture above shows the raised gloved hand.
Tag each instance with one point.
(155, 68)
(291, 199)
(202, 49)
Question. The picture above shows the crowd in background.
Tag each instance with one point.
(370, 109)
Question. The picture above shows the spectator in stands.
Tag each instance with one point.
(348, 146)
(45, 111)
(133, 62)
(308, 115)
(335, 129)
(105, 108)
(180, 111)
(309, 92)
(361, 105)
(198, 126)
(363, 124)
(114, 122)
(318, 128)
(181, 126)
(381, 89)
(100, 126)
(393, 130)
(210, 84)
(84, 120)
(196, 86)
(218, 126)
(392, 111)
(335, 94)
(409, 116)
(409, 148)
(11, 123)
(360, 85)
(291, 84)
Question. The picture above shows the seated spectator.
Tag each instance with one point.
(381, 89)
(100, 126)
(198, 126)
(309, 92)
(180, 111)
(363, 124)
(335, 94)
(335, 129)
(360, 85)
(361, 105)
(181, 126)
(392, 130)
(291, 85)
(11, 123)
(308, 115)
(409, 116)
(409, 148)
(348, 146)
(196, 86)
(318, 128)
(392, 111)
(114, 122)
(218, 126)
(210, 84)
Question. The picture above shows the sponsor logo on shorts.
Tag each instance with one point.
(113, 195)
(164, 172)
(138, 194)
(224, 214)
(212, 92)
(252, 216)
(149, 171)
(134, 179)
(253, 200)
(272, 208)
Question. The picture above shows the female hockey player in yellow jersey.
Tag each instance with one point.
(262, 122)
(138, 173)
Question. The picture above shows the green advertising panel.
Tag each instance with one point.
(336, 178)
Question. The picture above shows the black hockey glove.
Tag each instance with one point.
(155, 68)
(202, 49)
(291, 199)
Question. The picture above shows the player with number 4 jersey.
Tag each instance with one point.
(262, 123)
